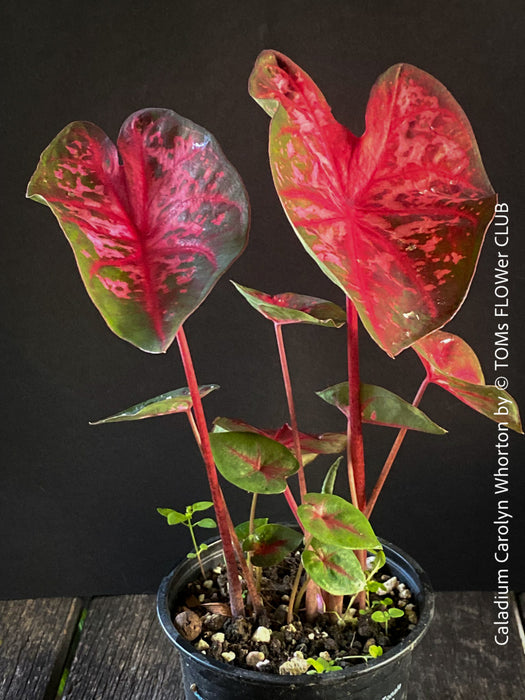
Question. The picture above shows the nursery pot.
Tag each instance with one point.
(385, 678)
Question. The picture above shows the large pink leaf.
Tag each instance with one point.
(396, 217)
(153, 225)
(452, 364)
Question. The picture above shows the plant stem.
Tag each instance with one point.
(293, 593)
(194, 428)
(221, 510)
(252, 513)
(189, 524)
(356, 459)
(393, 454)
(293, 506)
(291, 407)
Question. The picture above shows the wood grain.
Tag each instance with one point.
(34, 640)
(123, 654)
(459, 659)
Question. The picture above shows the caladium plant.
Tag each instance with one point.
(395, 218)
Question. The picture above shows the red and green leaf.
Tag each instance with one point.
(177, 401)
(381, 407)
(270, 544)
(336, 522)
(288, 308)
(396, 217)
(311, 445)
(334, 569)
(253, 462)
(153, 222)
(452, 364)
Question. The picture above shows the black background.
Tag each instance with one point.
(78, 503)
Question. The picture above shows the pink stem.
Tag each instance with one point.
(393, 454)
(221, 510)
(291, 408)
(293, 506)
(356, 457)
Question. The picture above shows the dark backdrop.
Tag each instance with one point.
(78, 502)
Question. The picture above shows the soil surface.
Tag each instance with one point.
(268, 644)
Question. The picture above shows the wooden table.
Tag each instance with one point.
(114, 649)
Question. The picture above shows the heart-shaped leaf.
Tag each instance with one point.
(381, 407)
(176, 401)
(334, 569)
(396, 217)
(270, 544)
(243, 529)
(334, 521)
(311, 445)
(294, 308)
(153, 225)
(452, 364)
(253, 462)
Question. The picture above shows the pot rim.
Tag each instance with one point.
(425, 601)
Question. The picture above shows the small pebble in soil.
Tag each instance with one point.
(189, 624)
(254, 658)
(262, 634)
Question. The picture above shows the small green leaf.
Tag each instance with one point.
(294, 308)
(381, 407)
(207, 523)
(253, 462)
(379, 616)
(176, 401)
(395, 612)
(334, 569)
(375, 651)
(191, 555)
(243, 530)
(377, 564)
(336, 522)
(201, 505)
(203, 547)
(173, 516)
(270, 544)
(329, 480)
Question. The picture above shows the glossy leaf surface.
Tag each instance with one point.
(153, 225)
(452, 364)
(288, 308)
(311, 445)
(271, 543)
(336, 522)
(243, 529)
(381, 407)
(253, 462)
(334, 569)
(177, 401)
(396, 217)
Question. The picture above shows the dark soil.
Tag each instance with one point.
(268, 642)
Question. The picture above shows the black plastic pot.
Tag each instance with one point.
(385, 678)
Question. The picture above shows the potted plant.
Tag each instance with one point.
(396, 219)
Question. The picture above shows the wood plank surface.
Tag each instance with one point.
(459, 658)
(35, 636)
(123, 654)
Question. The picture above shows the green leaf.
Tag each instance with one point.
(334, 569)
(207, 523)
(176, 401)
(311, 445)
(452, 364)
(191, 555)
(253, 462)
(377, 564)
(375, 651)
(243, 530)
(173, 516)
(395, 612)
(294, 308)
(381, 407)
(201, 505)
(334, 521)
(379, 616)
(270, 544)
(329, 480)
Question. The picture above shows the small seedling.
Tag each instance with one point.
(175, 518)
(384, 616)
(374, 652)
(321, 665)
